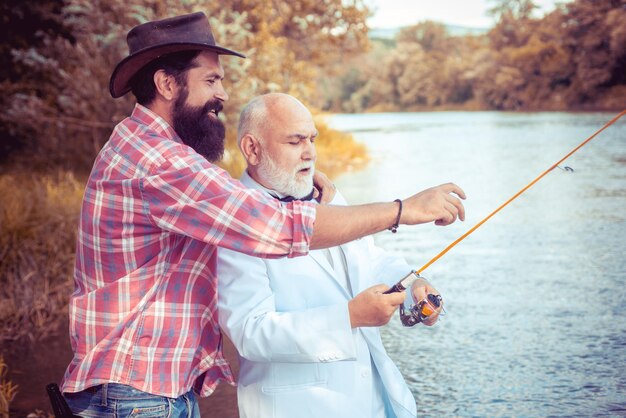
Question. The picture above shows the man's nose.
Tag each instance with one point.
(309, 151)
(221, 92)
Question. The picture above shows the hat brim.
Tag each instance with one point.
(129, 66)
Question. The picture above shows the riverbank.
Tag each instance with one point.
(475, 106)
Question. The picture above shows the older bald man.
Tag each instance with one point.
(305, 328)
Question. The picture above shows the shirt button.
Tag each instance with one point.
(365, 374)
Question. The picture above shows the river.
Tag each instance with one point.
(536, 297)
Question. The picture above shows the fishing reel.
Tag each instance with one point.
(419, 311)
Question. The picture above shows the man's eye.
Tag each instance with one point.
(210, 82)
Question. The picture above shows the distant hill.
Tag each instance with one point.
(453, 30)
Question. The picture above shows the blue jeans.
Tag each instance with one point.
(113, 400)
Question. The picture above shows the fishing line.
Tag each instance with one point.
(422, 309)
(528, 186)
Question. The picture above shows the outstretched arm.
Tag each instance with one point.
(335, 225)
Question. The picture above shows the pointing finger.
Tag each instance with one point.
(453, 188)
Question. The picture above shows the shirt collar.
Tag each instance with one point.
(154, 122)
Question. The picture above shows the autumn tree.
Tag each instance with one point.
(57, 106)
(61, 102)
(571, 58)
(594, 34)
(426, 68)
(514, 23)
(18, 18)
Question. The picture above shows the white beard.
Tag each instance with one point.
(289, 184)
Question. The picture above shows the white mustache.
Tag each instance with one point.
(304, 166)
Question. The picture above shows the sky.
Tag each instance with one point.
(470, 13)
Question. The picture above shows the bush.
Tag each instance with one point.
(37, 245)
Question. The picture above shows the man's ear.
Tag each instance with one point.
(166, 85)
(251, 149)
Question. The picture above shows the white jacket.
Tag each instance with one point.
(298, 355)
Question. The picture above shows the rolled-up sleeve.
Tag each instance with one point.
(200, 200)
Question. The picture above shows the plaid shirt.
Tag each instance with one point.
(154, 212)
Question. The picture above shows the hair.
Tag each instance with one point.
(176, 64)
(252, 119)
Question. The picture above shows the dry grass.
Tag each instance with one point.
(38, 218)
(8, 390)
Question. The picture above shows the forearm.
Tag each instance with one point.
(336, 225)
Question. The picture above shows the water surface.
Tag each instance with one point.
(536, 298)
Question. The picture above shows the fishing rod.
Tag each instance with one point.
(425, 307)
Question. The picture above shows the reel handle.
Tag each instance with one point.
(421, 309)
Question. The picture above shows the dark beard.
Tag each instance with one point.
(196, 129)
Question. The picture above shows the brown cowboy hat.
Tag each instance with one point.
(151, 40)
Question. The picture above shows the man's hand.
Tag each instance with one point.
(435, 204)
(372, 308)
(420, 289)
(324, 189)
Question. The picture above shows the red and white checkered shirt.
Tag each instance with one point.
(154, 212)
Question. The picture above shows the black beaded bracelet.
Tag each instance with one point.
(394, 227)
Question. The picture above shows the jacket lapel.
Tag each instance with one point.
(320, 258)
(350, 253)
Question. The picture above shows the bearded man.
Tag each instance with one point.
(143, 317)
